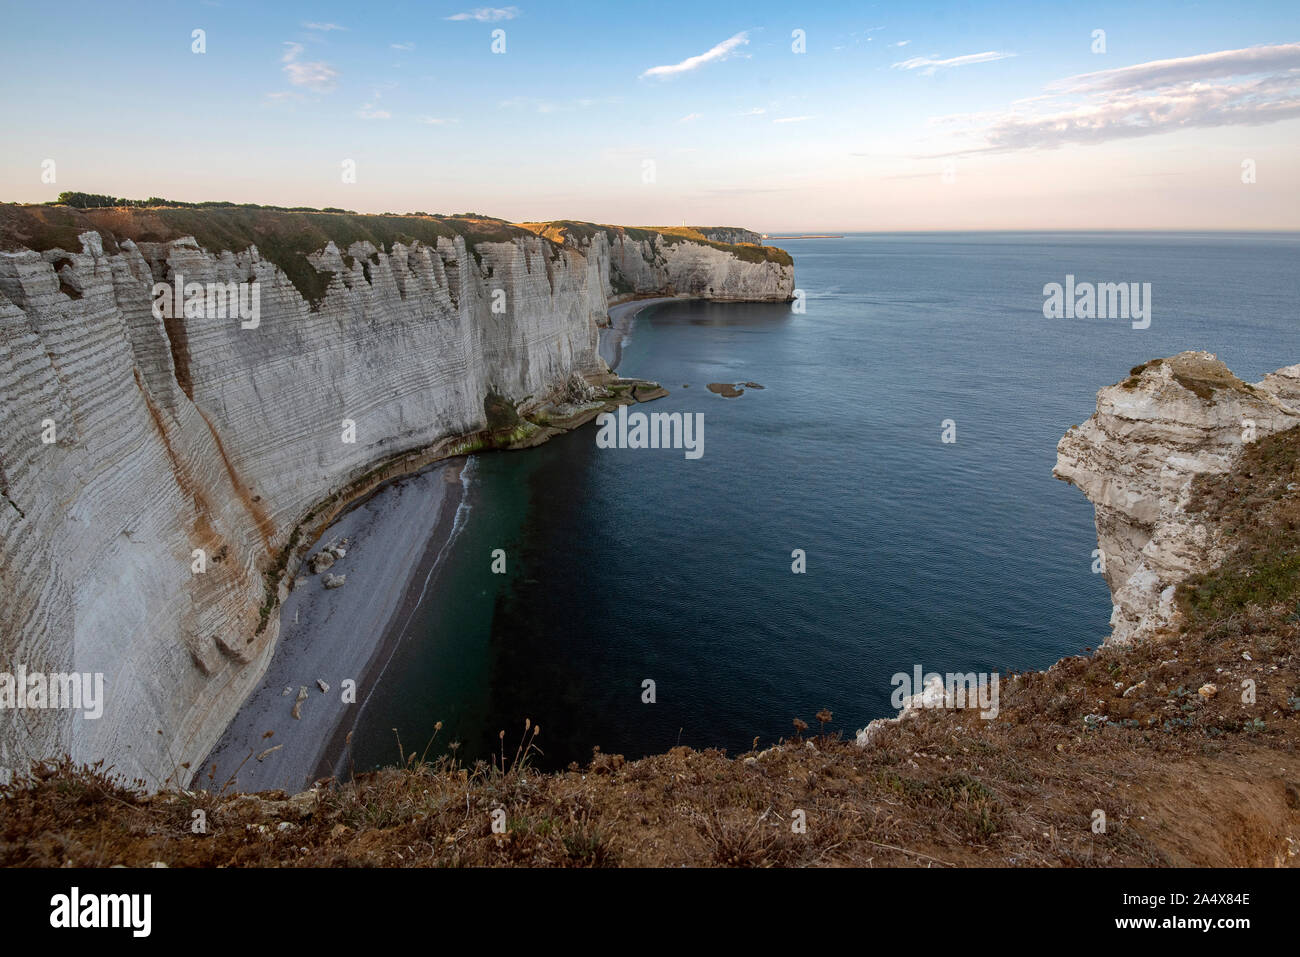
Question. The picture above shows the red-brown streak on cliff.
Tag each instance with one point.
(265, 526)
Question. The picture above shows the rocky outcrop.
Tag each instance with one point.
(1135, 459)
(667, 266)
(160, 476)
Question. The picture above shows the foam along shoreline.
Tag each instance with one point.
(397, 541)
(621, 320)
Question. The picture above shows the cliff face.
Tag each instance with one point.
(1135, 459)
(685, 268)
(175, 434)
(711, 262)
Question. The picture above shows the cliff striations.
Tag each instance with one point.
(162, 469)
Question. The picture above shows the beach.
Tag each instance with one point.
(621, 320)
(397, 539)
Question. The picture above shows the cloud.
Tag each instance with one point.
(487, 14)
(323, 27)
(405, 47)
(722, 51)
(1205, 66)
(438, 120)
(1249, 87)
(901, 43)
(368, 112)
(793, 119)
(313, 74)
(691, 117)
(928, 65)
(756, 111)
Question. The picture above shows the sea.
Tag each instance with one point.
(829, 538)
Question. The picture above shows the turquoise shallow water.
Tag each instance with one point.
(627, 565)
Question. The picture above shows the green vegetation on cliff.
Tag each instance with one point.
(282, 236)
(286, 236)
(562, 229)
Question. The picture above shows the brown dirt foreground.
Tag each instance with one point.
(1185, 775)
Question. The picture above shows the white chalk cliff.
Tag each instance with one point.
(179, 434)
(1136, 458)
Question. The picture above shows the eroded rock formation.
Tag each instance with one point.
(1135, 459)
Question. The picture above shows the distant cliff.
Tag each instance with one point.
(129, 439)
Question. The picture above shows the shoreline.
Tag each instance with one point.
(325, 637)
(333, 636)
(622, 319)
(453, 511)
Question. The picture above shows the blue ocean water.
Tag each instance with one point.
(628, 565)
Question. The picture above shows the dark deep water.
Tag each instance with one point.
(626, 565)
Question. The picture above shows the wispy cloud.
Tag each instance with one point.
(928, 65)
(370, 112)
(487, 14)
(323, 27)
(722, 51)
(756, 111)
(901, 43)
(1205, 66)
(691, 117)
(1247, 87)
(314, 75)
(438, 120)
(404, 47)
(793, 119)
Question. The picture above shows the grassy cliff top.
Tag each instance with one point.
(287, 236)
(564, 229)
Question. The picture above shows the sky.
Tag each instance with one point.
(777, 116)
